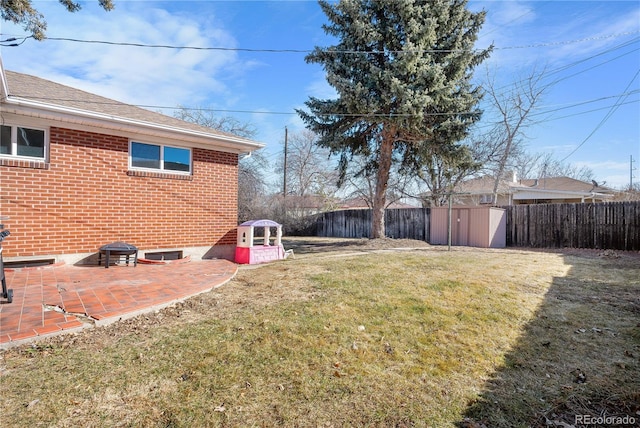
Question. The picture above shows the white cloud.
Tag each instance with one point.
(606, 165)
(507, 13)
(598, 33)
(149, 76)
(615, 181)
(516, 28)
(611, 173)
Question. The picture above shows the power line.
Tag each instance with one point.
(568, 42)
(12, 42)
(605, 51)
(623, 45)
(552, 119)
(214, 110)
(605, 118)
(578, 113)
(306, 51)
(595, 100)
(557, 70)
(146, 106)
(547, 74)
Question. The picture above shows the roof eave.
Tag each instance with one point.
(225, 143)
(523, 194)
(4, 87)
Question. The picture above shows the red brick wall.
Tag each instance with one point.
(86, 197)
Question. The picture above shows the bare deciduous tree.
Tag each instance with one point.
(540, 165)
(511, 107)
(251, 181)
(444, 171)
(205, 117)
(309, 171)
(360, 183)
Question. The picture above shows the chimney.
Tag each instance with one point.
(514, 176)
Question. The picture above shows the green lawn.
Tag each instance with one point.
(410, 338)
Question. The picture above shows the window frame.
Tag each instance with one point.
(162, 168)
(14, 142)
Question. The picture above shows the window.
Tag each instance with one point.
(22, 142)
(486, 199)
(156, 157)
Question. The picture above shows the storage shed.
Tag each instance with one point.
(484, 227)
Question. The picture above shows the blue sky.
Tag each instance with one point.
(591, 47)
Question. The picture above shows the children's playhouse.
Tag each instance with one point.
(253, 250)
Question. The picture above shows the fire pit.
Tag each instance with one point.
(118, 249)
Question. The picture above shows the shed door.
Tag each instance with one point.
(460, 232)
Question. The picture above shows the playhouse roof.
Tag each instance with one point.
(261, 223)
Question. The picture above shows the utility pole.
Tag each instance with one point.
(631, 169)
(284, 184)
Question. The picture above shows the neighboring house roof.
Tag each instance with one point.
(565, 184)
(27, 95)
(544, 188)
(482, 185)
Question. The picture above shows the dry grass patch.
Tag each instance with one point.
(411, 338)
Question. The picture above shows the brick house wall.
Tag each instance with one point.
(85, 197)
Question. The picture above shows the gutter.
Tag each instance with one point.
(563, 192)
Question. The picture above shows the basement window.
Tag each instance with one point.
(19, 264)
(164, 255)
(22, 142)
(155, 157)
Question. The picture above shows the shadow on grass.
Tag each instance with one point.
(577, 363)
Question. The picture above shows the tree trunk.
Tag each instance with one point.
(382, 180)
(502, 165)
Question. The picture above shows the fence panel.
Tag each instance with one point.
(607, 225)
(410, 223)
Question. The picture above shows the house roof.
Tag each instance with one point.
(28, 95)
(483, 185)
(565, 184)
(550, 187)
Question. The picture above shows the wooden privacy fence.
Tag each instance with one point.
(607, 225)
(412, 223)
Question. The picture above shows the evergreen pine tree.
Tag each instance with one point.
(402, 71)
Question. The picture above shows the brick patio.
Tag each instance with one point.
(60, 299)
